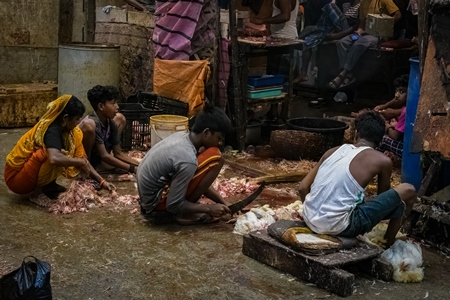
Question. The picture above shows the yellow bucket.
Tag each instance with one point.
(161, 126)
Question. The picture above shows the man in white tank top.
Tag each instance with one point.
(333, 192)
(283, 20)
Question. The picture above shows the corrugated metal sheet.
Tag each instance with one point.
(432, 125)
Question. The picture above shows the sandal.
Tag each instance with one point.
(334, 84)
(349, 80)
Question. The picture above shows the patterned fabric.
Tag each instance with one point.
(350, 11)
(33, 140)
(388, 144)
(332, 20)
(175, 26)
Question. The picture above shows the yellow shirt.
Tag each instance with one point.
(374, 6)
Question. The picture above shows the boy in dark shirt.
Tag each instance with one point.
(173, 175)
(102, 129)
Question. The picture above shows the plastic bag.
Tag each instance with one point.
(30, 281)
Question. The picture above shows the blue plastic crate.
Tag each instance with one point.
(269, 80)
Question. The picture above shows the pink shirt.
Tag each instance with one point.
(401, 121)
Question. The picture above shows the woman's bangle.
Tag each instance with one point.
(102, 181)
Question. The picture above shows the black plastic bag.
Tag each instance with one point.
(29, 282)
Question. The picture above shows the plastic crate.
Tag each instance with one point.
(136, 134)
(149, 100)
(166, 105)
(255, 94)
(269, 80)
(173, 107)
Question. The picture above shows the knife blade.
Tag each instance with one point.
(235, 207)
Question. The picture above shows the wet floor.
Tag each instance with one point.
(114, 254)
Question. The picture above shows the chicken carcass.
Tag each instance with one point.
(256, 219)
(261, 217)
(406, 258)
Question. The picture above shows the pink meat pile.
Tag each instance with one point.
(136, 154)
(126, 177)
(251, 29)
(82, 196)
(229, 187)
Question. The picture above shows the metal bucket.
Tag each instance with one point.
(82, 66)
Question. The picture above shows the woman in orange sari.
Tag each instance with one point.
(53, 147)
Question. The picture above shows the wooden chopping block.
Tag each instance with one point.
(324, 271)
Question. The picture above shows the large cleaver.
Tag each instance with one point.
(235, 207)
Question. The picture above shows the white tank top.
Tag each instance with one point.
(286, 30)
(332, 198)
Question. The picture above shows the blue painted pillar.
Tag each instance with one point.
(411, 170)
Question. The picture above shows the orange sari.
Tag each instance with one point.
(27, 165)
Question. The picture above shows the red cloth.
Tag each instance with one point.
(397, 44)
(206, 160)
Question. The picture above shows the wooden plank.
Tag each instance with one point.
(237, 113)
(431, 127)
(246, 170)
(65, 21)
(243, 78)
(281, 178)
(361, 252)
(258, 246)
(377, 268)
(435, 166)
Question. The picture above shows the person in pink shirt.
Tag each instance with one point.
(393, 139)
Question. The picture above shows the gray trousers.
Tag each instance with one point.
(349, 51)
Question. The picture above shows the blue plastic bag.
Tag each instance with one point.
(30, 281)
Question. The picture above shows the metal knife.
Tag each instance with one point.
(235, 207)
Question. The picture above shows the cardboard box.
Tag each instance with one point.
(380, 25)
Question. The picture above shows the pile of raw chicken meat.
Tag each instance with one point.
(81, 196)
(259, 218)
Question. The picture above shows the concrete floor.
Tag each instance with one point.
(113, 254)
